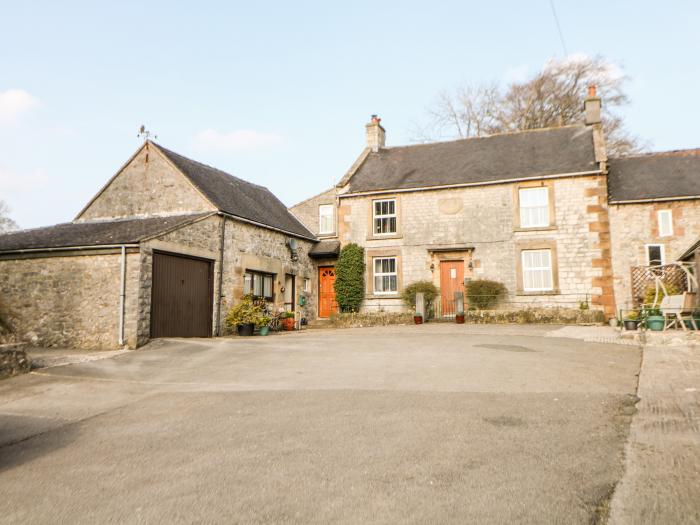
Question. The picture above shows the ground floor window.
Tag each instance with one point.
(259, 284)
(655, 254)
(537, 270)
(385, 275)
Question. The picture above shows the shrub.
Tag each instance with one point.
(248, 311)
(484, 294)
(428, 289)
(650, 293)
(350, 278)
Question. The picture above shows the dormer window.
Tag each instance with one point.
(384, 217)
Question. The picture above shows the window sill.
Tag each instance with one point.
(324, 236)
(383, 237)
(556, 291)
(536, 228)
(392, 295)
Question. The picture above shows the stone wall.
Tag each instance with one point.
(307, 211)
(147, 185)
(69, 301)
(483, 219)
(635, 225)
(13, 360)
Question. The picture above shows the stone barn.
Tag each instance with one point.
(165, 248)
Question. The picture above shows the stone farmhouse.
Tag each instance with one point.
(170, 244)
(164, 249)
(545, 212)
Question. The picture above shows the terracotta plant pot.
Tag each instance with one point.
(418, 319)
(459, 319)
(288, 324)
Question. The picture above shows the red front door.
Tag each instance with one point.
(451, 281)
(326, 291)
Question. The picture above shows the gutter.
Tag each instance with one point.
(70, 248)
(221, 274)
(261, 225)
(660, 199)
(122, 296)
(471, 184)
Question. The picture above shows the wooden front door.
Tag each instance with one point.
(451, 281)
(326, 291)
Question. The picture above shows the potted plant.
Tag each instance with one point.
(263, 324)
(459, 318)
(244, 316)
(417, 318)
(631, 321)
(288, 321)
(654, 321)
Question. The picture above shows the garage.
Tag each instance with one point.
(182, 296)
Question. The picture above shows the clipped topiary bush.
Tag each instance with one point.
(483, 294)
(350, 278)
(428, 289)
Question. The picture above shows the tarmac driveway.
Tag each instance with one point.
(435, 423)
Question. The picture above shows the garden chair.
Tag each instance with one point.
(677, 309)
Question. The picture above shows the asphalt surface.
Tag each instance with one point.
(428, 424)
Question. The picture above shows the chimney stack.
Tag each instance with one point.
(375, 134)
(591, 107)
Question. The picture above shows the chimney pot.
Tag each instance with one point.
(592, 107)
(591, 90)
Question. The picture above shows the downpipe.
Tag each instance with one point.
(122, 296)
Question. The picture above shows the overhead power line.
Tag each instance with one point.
(561, 34)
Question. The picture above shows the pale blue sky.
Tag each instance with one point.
(278, 92)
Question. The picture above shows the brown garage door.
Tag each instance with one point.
(182, 296)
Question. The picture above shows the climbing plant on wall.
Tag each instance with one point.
(350, 278)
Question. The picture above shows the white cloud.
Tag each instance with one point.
(238, 140)
(12, 182)
(14, 102)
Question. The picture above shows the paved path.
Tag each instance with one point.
(662, 478)
(439, 424)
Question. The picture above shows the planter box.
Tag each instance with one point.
(245, 329)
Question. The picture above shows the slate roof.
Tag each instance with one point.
(654, 176)
(98, 233)
(509, 156)
(325, 249)
(238, 197)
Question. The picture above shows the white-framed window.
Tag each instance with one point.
(534, 207)
(307, 285)
(537, 270)
(326, 224)
(385, 275)
(665, 220)
(259, 284)
(655, 254)
(384, 216)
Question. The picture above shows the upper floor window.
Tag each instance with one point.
(385, 275)
(655, 254)
(325, 219)
(665, 220)
(534, 207)
(259, 284)
(537, 270)
(384, 217)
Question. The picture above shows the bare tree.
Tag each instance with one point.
(6, 223)
(553, 97)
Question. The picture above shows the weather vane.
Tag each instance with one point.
(145, 134)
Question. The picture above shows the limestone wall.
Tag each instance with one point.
(307, 211)
(635, 225)
(483, 218)
(69, 301)
(148, 185)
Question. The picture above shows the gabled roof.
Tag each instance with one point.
(236, 196)
(94, 234)
(655, 176)
(325, 249)
(510, 156)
